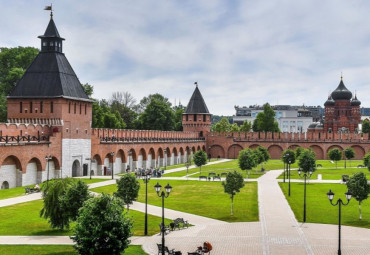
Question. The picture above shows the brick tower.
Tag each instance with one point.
(49, 93)
(197, 117)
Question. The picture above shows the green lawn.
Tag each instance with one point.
(330, 174)
(19, 191)
(24, 219)
(202, 198)
(329, 164)
(55, 250)
(319, 209)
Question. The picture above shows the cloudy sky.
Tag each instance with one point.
(240, 52)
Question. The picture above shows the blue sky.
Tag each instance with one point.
(239, 52)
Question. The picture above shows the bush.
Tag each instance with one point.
(102, 227)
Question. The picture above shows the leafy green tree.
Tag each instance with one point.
(247, 159)
(234, 128)
(178, 118)
(349, 154)
(366, 160)
(75, 195)
(246, 126)
(127, 189)
(224, 125)
(102, 227)
(200, 159)
(298, 151)
(140, 108)
(265, 121)
(307, 161)
(113, 120)
(288, 156)
(335, 155)
(158, 115)
(103, 117)
(124, 103)
(52, 209)
(234, 182)
(89, 89)
(366, 127)
(258, 156)
(360, 189)
(265, 153)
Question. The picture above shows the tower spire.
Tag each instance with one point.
(49, 8)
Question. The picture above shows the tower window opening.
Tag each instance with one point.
(69, 107)
(41, 107)
(20, 107)
(51, 107)
(80, 108)
(31, 106)
(195, 117)
(75, 108)
(85, 109)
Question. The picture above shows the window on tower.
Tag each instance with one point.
(51, 107)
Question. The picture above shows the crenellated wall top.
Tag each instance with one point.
(132, 133)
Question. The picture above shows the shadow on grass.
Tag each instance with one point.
(357, 223)
(63, 253)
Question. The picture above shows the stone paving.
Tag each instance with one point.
(277, 232)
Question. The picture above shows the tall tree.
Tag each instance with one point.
(178, 117)
(127, 189)
(89, 89)
(360, 189)
(103, 117)
(307, 161)
(246, 126)
(234, 128)
(224, 125)
(124, 103)
(157, 116)
(335, 155)
(349, 154)
(366, 127)
(288, 156)
(265, 153)
(234, 182)
(246, 159)
(140, 108)
(102, 227)
(366, 160)
(200, 159)
(265, 121)
(298, 151)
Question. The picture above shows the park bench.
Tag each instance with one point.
(176, 224)
(166, 250)
(262, 170)
(223, 174)
(360, 166)
(345, 178)
(319, 165)
(211, 174)
(29, 190)
(166, 228)
(203, 177)
(217, 177)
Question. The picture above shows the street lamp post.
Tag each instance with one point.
(163, 194)
(284, 166)
(339, 202)
(289, 175)
(112, 154)
(305, 175)
(48, 158)
(187, 164)
(90, 165)
(146, 179)
(209, 154)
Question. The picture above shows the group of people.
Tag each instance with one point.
(154, 172)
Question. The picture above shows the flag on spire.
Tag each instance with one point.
(48, 8)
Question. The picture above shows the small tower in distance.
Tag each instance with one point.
(196, 117)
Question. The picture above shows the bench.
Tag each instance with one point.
(262, 170)
(176, 224)
(203, 177)
(345, 178)
(217, 177)
(211, 174)
(28, 190)
(169, 252)
(164, 228)
(223, 174)
(319, 165)
(360, 166)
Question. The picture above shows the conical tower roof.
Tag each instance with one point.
(196, 103)
(50, 75)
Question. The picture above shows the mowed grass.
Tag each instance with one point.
(202, 198)
(330, 174)
(19, 191)
(24, 219)
(230, 166)
(55, 250)
(319, 209)
(183, 165)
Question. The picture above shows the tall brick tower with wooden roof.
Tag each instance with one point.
(49, 93)
(197, 117)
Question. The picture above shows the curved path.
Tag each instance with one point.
(277, 232)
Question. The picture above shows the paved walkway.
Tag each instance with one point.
(277, 232)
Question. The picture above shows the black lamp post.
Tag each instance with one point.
(165, 158)
(289, 175)
(48, 158)
(146, 179)
(209, 154)
(163, 194)
(112, 154)
(187, 164)
(284, 156)
(339, 202)
(305, 175)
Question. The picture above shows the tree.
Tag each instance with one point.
(258, 156)
(265, 153)
(103, 117)
(288, 156)
(246, 126)
(234, 128)
(349, 154)
(234, 182)
(52, 209)
(178, 118)
(265, 121)
(102, 227)
(13, 64)
(224, 125)
(75, 195)
(89, 89)
(124, 103)
(360, 189)
(335, 155)
(200, 159)
(307, 161)
(246, 159)
(366, 127)
(127, 189)
(140, 108)
(366, 160)
(158, 115)
(298, 151)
